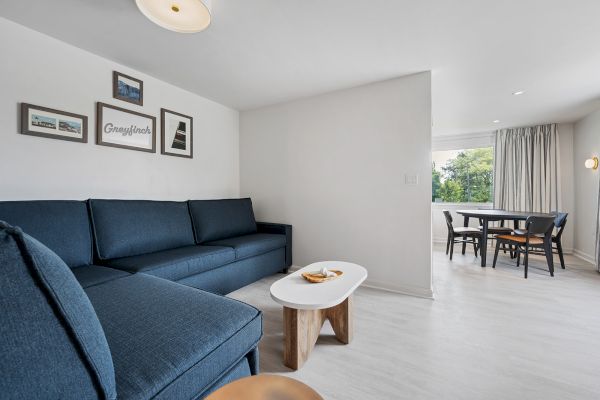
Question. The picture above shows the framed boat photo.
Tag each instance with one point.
(53, 124)
(128, 88)
(125, 129)
(176, 134)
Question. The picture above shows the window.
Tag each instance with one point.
(463, 176)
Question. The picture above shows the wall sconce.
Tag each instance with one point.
(591, 163)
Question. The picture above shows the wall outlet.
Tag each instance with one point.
(411, 179)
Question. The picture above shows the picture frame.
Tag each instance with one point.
(125, 129)
(177, 134)
(54, 124)
(128, 88)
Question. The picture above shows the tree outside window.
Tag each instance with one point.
(463, 176)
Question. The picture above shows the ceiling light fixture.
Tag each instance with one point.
(518, 92)
(184, 16)
(496, 121)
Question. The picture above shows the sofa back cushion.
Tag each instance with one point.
(51, 341)
(126, 228)
(61, 225)
(222, 219)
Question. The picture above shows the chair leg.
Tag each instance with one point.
(518, 257)
(549, 256)
(448, 243)
(451, 246)
(496, 253)
(474, 245)
(560, 254)
(504, 247)
(526, 261)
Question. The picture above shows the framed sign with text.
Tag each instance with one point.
(126, 129)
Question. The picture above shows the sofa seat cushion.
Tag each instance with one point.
(178, 263)
(252, 245)
(91, 275)
(167, 338)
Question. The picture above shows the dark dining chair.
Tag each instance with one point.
(537, 235)
(494, 230)
(463, 233)
(559, 223)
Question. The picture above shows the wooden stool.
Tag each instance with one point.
(265, 387)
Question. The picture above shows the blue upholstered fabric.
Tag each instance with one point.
(239, 371)
(252, 245)
(220, 219)
(170, 340)
(233, 276)
(61, 225)
(51, 342)
(125, 228)
(91, 275)
(177, 263)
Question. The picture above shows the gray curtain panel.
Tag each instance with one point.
(527, 168)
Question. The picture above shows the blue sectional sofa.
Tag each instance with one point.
(140, 265)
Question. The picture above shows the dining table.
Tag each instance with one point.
(485, 216)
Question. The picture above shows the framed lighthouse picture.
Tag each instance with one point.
(176, 134)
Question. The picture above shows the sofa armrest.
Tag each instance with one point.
(281, 229)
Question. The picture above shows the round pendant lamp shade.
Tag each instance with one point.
(184, 16)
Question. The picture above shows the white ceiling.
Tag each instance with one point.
(260, 52)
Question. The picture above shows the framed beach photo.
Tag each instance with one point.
(126, 129)
(176, 134)
(128, 88)
(54, 124)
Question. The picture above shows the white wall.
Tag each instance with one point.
(43, 71)
(450, 142)
(334, 167)
(586, 144)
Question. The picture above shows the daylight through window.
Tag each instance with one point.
(463, 176)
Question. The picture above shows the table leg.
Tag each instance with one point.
(484, 238)
(464, 244)
(301, 329)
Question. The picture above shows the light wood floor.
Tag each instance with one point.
(490, 334)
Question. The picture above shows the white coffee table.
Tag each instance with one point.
(307, 305)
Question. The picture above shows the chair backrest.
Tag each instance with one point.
(536, 225)
(448, 217)
(560, 221)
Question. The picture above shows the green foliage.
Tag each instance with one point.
(451, 192)
(436, 183)
(466, 178)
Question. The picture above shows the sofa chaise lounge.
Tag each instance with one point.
(140, 265)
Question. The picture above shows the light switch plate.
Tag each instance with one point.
(410, 179)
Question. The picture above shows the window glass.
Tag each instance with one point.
(463, 176)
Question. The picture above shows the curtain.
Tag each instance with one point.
(527, 168)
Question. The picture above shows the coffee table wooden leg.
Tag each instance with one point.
(301, 329)
(341, 321)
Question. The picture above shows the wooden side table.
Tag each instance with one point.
(306, 306)
(265, 387)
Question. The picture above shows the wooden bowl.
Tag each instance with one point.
(317, 277)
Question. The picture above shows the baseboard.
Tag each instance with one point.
(409, 290)
(584, 256)
(400, 289)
